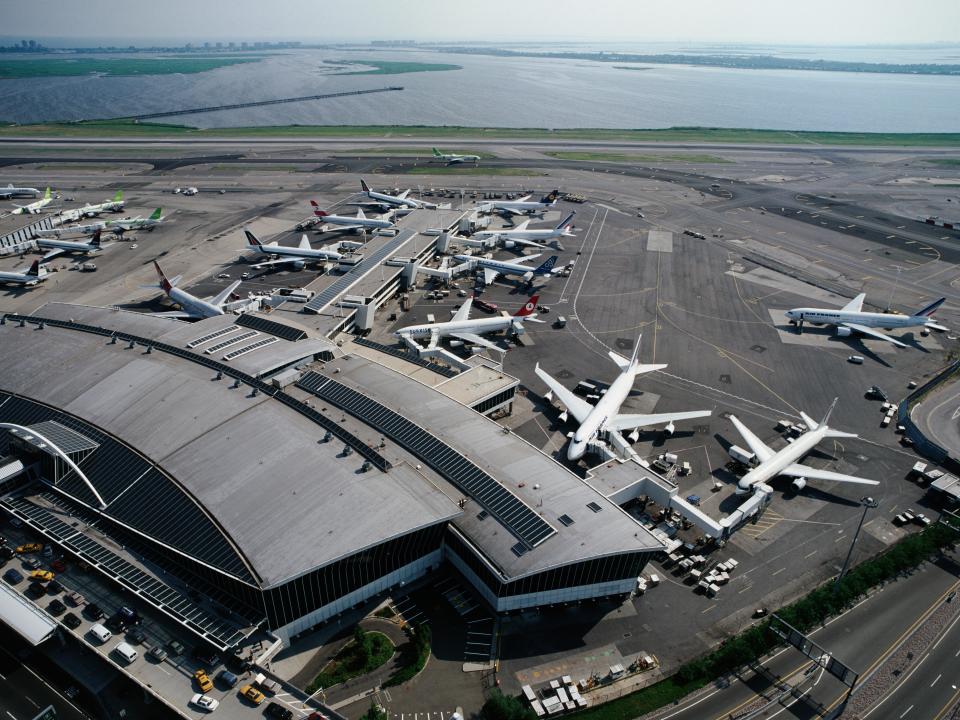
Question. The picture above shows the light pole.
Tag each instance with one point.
(867, 503)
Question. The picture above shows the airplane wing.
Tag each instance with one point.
(222, 296)
(476, 340)
(340, 228)
(489, 275)
(403, 195)
(798, 470)
(631, 422)
(278, 261)
(531, 243)
(873, 333)
(855, 305)
(935, 326)
(52, 254)
(527, 258)
(522, 226)
(758, 446)
(463, 312)
(578, 407)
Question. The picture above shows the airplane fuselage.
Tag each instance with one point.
(363, 222)
(393, 200)
(769, 469)
(286, 251)
(20, 278)
(12, 192)
(75, 230)
(821, 316)
(68, 245)
(193, 305)
(504, 268)
(608, 405)
(478, 326)
(536, 235)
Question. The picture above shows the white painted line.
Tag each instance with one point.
(949, 628)
(777, 572)
(907, 710)
(936, 679)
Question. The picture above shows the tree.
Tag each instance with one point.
(506, 707)
(364, 644)
(375, 712)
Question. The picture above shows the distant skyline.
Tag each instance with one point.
(767, 22)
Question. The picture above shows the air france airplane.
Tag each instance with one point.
(296, 256)
(493, 268)
(850, 318)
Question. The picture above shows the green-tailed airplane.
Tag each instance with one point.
(452, 158)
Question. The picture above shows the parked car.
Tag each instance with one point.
(206, 655)
(129, 615)
(250, 693)
(74, 598)
(29, 548)
(203, 680)
(205, 702)
(157, 653)
(94, 612)
(42, 575)
(47, 552)
(176, 647)
(58, 566)
(35, 589)
(228, 678)
(276, 710)
(7, 552)
(136, 636)
(71, 621)
(56, 607)
(13, 576)
(32, 563)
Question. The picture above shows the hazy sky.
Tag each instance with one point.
(763, 21)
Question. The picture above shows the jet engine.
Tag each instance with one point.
(669, 429)
(844, 332)
(509, 244)
(799, 484)
(299, 264)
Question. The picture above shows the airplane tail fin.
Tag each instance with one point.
(809, 421)
(436, 153)
(95, 240)
(566, 221)
(119, 196)
(46, 195)
(547, 266)
(829, 410)
(622, 362)
(34, 270)
(930, 309)
(155, 215)
(165, 284)
(529, 307)
(551, 197)
(252, 239)
(363, 184)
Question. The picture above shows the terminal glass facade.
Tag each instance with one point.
(304, 594)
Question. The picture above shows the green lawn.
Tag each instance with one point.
(349, 663)
(622, 157)
(630, 67)
(61, 67)
(472, 170)
(692, 135)
(950, 162)
(390, 67)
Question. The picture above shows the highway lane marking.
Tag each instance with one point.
(810, 554)
(936, 680)
(773, 574)
(949, 628)
(907, 710)
(740, 592)
(708, 609)
(11, 714)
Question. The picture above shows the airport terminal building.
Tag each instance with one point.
(167, 456)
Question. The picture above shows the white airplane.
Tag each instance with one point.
(8, 192)
(523, 206)
(384, 200)
(453, 158)
(59, 247)
(850, 318)
(34, 208)
(31, 276)
(519, 235)
(604, 417)
(192, 306)
(122, 225)
(296, 256)
(784, 462)
(88, 229)
(467, 330)
(493, 268)
(114, 205)
(346, 222)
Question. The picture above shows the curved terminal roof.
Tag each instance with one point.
(284, 499)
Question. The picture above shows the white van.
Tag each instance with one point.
(100, 632)
(126, 651)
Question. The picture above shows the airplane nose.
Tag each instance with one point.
(577, 450)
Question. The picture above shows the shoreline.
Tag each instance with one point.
(125, 128)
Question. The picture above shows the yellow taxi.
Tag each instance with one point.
(29, 548)
(252, 694)
(42, 575)
(203, 680)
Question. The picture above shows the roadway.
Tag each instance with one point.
(23, 693)
(938, 417)
(886, 618)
